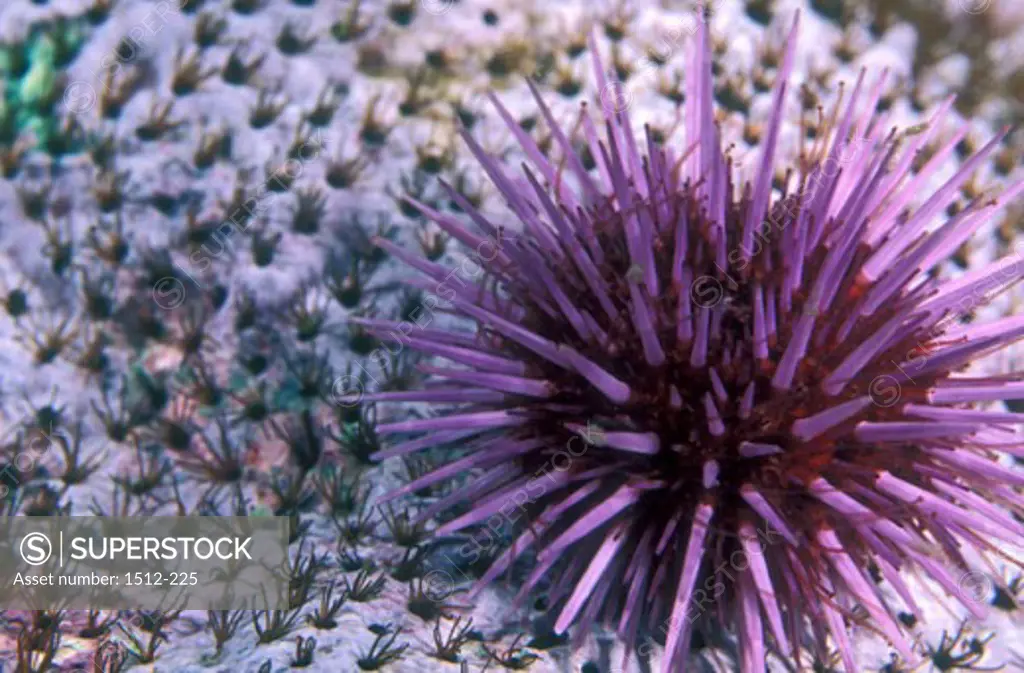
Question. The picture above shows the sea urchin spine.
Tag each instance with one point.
(721, 403)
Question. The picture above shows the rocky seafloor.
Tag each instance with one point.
(175, 363)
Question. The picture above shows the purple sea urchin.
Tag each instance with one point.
(712, 402)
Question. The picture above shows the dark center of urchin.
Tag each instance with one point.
(671, 399)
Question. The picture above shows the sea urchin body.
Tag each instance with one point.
(743, 404)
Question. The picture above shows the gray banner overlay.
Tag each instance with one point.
(144, 563)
